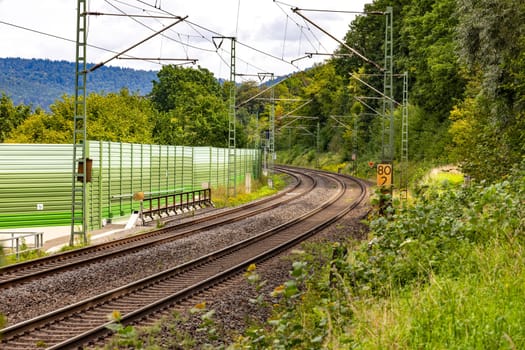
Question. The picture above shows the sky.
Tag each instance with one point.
(270, 38)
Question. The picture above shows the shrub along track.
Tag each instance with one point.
(86, 321)
(16, 274)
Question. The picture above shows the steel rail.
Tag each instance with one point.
(16, 274)
(89, 317)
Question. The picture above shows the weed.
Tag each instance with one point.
(41, 344)
(208, 326)
(221, 199)
(255, 280)
(126, 335)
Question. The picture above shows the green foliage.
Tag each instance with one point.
(492, 42)
(429, 136)
(287, 329)
(114, 117)
(149, 338)
(207, 326)
(41, 344)
(77, 244)
(435, 234)
(126, 336)
(11, 116)
(254, 279)
(24, 256)
(444, 273)
(259, 190)
(428, 29)
(478, 310)
(192, 108)
(119, 117)
(485, 150)
(448, 311)
(3, 322)
(26, 253)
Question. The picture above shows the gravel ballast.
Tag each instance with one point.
(58, 290)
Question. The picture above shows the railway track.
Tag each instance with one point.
(27, 271)
(86, 321)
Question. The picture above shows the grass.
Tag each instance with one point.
(259, 189)
(31, 255)
(444, 176)
(482, 310)
(25, 255)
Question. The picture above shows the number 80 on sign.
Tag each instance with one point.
(384, 174)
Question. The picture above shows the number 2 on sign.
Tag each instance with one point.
(384, 174)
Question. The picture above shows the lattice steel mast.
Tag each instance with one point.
(79, 173)
(81, 167)
(387, 139)
(272, 134)
(403, 179)
(232, 162)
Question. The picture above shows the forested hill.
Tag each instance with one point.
(39, 82)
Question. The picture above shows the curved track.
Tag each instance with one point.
(86, 321)
(20, 273)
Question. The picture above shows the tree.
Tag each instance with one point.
(120, 117)
(41, 127)
(491, 42)
(192, 109)
(11, 116)
(429, 28)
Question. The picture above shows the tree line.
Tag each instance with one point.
(39, 82)
(466, 68)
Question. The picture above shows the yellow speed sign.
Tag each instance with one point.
(384, 174)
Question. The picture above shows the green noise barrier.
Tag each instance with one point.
(35, 179)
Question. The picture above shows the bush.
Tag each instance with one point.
(436, 234)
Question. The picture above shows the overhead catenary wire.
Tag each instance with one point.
(285, 34)
(357, 53)
(94, 13)
(189, 22)
(215, 33)
(238, 14)
(137, 7)
(300, 27)
(374, 89)
(296, 109)
(240, 43)
(309, 30)
(333, 11)
(330, 54)
(261, 92)
(153, 30)
(61, 38)
(186, 40)
(189, 60)
(137, 44)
